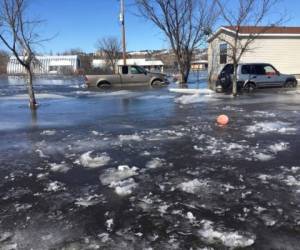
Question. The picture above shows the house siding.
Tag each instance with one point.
(214, 66)
(281, 51)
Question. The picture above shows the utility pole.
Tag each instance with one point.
(122, 20)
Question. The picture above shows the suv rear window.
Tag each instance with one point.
(228, 69)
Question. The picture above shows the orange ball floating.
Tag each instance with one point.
(222, 120)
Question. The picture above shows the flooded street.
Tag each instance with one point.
(148, 169)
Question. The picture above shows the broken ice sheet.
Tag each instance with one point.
(94, 162)
(193, 186)
(231, 239)
(89, 200)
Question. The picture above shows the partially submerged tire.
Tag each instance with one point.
(249, 87)
(290, 84)
(157, 83)
(104, 85)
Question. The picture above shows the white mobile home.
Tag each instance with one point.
(279, 46)
(152, 65)
(47, 65)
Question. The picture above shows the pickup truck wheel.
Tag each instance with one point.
(157, 83)
(249, 87)
(104, 85)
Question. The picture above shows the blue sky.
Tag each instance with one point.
(79, 23)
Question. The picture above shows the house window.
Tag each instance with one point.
(223, 53)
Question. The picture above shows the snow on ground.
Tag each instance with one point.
(109, 94)
(38, 96)
(94, 162)
(193, 91)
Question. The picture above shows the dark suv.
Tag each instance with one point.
(254, 75)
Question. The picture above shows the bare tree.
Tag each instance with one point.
(252, 15)
(185, 23)
(110, 48)
(18, 34)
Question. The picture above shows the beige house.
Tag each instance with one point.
(279, 46)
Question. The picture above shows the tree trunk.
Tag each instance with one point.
(234, 80)
(184, 72)
(29, 79)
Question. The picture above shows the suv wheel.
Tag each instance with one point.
(249, 87)
(290, 84)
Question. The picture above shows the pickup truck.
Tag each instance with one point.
(129, 75)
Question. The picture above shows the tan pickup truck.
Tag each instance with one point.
(129, 75)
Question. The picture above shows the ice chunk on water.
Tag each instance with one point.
(269, 127)
(41, 153)
(125, 187)
(263, 157)
(87, 161)
(292, 181)
(48, 132)
(12, 246)
(228, 239)
(193, 186)
(109, 224)
(90, 200)
(115, 175)
(264, 177)
(54, 186)
(196, 98)
(190, 216)
(5, 236)
(62, 167)
(155, 163)
(134, 137)
(278, 147)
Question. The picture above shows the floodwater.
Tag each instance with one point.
(148, 168)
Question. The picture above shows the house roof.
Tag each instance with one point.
(264, 31)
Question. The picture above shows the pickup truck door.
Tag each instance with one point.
(138, 76)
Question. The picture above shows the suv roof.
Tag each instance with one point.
(250, 64)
